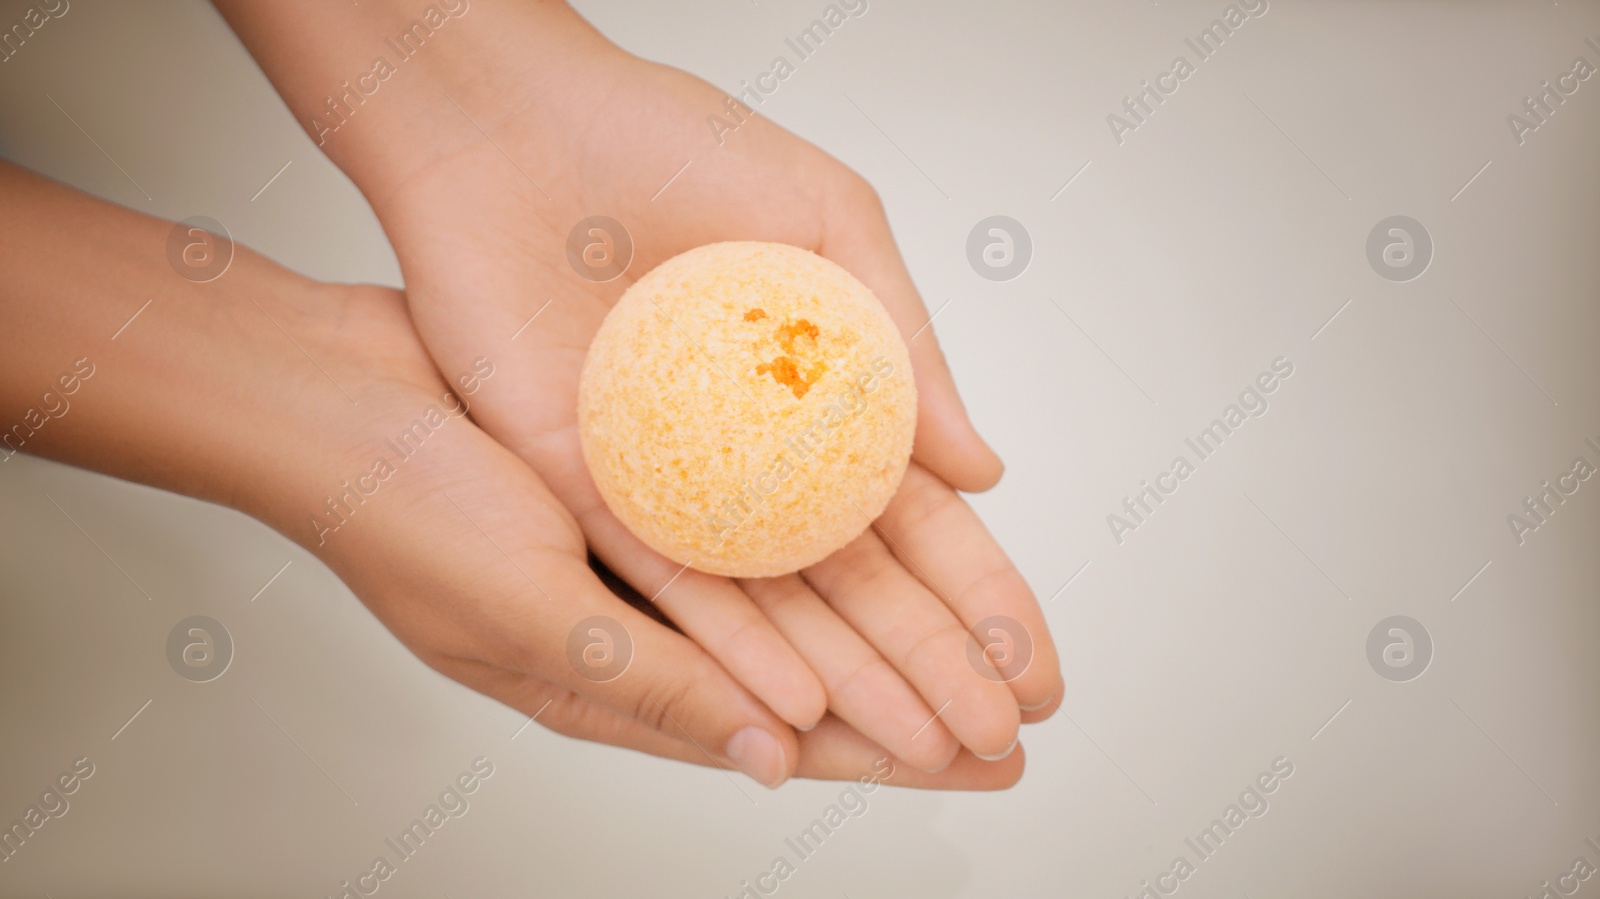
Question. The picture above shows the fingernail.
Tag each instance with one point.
(1038, 706)
(996, 758)
(758, 754)
(807, 730)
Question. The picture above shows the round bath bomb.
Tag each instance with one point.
(747, 408)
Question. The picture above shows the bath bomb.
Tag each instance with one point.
(747, 408)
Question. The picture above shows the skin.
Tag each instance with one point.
(478, 156)
(482, 154)
(208, 374)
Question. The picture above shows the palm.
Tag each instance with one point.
(486, 250)
(462, 551)
(482, 238)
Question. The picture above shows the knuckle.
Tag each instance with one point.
(664, 703)
(946, 639)
(875, 571)
(997, 579)
(566, 713)
(922, 499)
(856, 191)
(857, 678)
(788, 594)
(749, 631)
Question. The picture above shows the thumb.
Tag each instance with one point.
(586, 640)
(857, 237)
(478, 570)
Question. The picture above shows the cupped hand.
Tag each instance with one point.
(458, 547)
(376, 467)
(879, 633)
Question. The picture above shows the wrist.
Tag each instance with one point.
(111, 359)
(390, 88)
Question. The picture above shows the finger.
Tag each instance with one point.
(834, 749)
(666, 681)
(863, 688)
(570, 714)
(858, 238)
(920, 636)
(718, 615)
(933, 531)
(711, 610)
(523, 600)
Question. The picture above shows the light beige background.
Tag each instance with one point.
(1223, 634)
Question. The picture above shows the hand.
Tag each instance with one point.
(468, 559)
(374, 467)
(560, 126)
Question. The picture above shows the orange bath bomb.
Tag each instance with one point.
(747, 408)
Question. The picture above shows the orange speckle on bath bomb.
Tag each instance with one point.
(785, 439)
(786, 371)
(791, 332)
